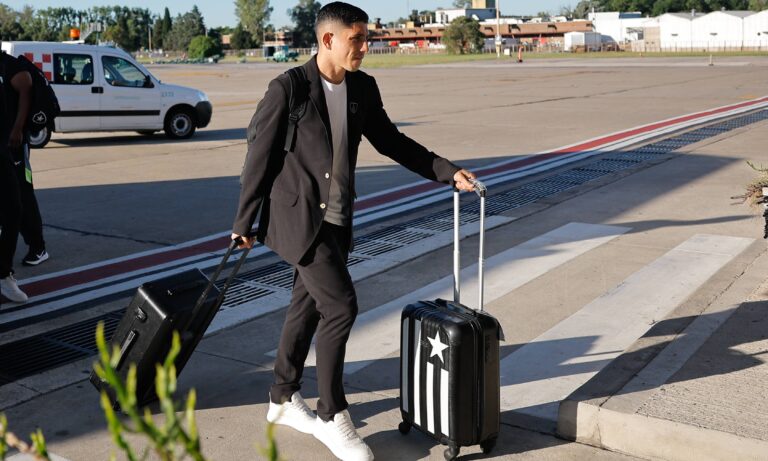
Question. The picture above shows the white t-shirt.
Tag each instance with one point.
(338, 208)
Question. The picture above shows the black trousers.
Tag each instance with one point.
(324, 303)
(31, 222)
(10, 212)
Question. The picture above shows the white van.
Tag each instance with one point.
(101, 88)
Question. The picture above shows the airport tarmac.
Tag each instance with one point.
(578, 277)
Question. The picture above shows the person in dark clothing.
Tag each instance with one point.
(10, 195)
(17, 97)
(305, 202)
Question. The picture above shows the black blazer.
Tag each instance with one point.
(291, 189)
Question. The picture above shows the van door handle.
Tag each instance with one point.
(97, 90)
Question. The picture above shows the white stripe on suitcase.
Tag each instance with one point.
(427, 391)
(416, 373)
(404, 364)
(444, 420)
(430, 398)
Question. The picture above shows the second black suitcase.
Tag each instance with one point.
(185, 302)
(449, 358)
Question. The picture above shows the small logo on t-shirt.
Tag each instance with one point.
(353, 107)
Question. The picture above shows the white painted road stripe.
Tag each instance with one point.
(375, 334)
(536, 377)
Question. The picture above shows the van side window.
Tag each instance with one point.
(121, 72)
(72, 69)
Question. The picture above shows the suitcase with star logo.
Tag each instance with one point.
(449, 363)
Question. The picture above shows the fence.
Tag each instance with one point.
(701, 46)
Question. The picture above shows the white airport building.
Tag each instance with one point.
(690, 31)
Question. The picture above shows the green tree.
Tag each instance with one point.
(584, 7)
(185, 28)
(668, 6)
(119, 33)
(544, 15)
(463, 36)
(203, 47)
(758, 5)
(253, 15)
(10, 28)
(304, 15)
(240, 39)
(161, 29)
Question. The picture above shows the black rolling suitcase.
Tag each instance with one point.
(185, 302)
(449, 364)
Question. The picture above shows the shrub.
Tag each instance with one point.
(203, 47)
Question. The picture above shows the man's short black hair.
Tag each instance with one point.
(340, 12)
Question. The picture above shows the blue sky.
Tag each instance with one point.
(222, 12)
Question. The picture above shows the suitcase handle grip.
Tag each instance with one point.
(481, 191)
(127, 342)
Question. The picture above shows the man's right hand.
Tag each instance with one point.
(247, 241)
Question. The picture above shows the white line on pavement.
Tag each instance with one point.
(376, 333)
(536, 377)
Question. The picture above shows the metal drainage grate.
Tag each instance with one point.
(610, 166)
(278, 275)
(516, 198)
(429, 223)
(373, 247)
(353, 260)
(66, 345)
(634, 156)
(241, 292)
(582, 176)
(396, 234)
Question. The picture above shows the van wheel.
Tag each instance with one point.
(180, 124)
(40, 139)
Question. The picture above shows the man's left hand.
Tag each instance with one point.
(15, 139)
(462, 178)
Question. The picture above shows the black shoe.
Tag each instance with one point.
(33, 258)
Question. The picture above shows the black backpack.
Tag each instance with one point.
(297, 104)
(44, 106)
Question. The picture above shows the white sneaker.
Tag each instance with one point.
(10, 290)
(294, 413)
(340, 436)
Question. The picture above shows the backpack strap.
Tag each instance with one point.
(297, 104)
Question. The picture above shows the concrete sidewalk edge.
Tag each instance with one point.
(609, 420)
(672, 441)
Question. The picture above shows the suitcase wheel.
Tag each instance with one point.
(487, 445)
(404, 428)
(451, 453)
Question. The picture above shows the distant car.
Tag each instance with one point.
(101, 88)
(285, 56)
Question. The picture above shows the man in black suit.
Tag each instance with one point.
(305, 197)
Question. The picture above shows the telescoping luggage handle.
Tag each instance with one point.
(480, 190)
(201, 300)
